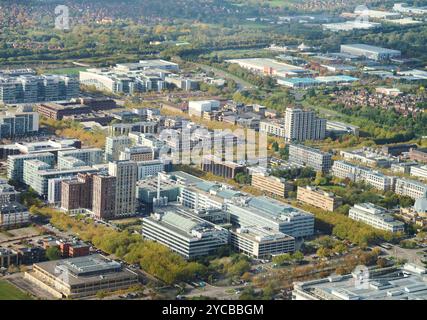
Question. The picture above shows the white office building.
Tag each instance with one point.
(261, 243)
(410, 188)
(270, 213)
(376, 217)
(184, 233)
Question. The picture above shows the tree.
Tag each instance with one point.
(323, 252)
(275, 146)
(297, 256)
(282, 259)
(53, 253)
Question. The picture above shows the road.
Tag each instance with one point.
(408, 254)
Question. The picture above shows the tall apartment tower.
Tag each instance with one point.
(114, 145)
(301, 125)
(77, 193)
(104, 194)
(126, 176)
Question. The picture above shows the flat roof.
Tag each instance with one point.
(385, 284)
(87, 269)
(370, 48)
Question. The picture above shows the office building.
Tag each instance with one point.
(8, 193)
(419, 154)
(114, 145)
(310, 157)
(270, 213)
(271, 184)
(368, 156)
(376, 217)
(126, 176)
(318, 198)
(378, 180)
(419, 171)
(37, 174)
(197, 108)
(129, 78)
(220, 167)
(13, 214)
(76, 107)
(88, 156)
(150, 168)
(104, 196)
(184, 233)
(261, 243)
(15, 164)
(370, 52)
(391, 283)
(301, 125)
(30, 88)
(411, 188)
(52, 146)
(81, 277)
(18, 124)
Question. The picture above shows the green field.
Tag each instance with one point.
(10, 292)
(69, 71)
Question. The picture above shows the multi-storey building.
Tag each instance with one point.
(376, 217)
(346, 170)
(126, 176)
(419, 154)
(137, 153)
(37, 174)
(184, 233)
(219, 167)
(150, 168)
(310, 157)
(86, 275)
(15, 164)
(410, 188)
(104, 196)
(77, 193)
(30, 88)
(301, 125)
(13, 214)
(275, 128)
(114, 145)
(8, 193)
(270, 213)
(318, 198)
(261, 243)
(419, 171)
(18, 124)
(89, 156)
(271, 184)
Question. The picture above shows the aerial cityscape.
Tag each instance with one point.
(226, 150)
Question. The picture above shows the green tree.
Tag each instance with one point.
(53, 253)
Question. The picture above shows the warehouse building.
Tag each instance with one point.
(370, 52)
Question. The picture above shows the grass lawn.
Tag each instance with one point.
(10, 292)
